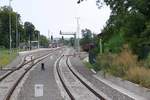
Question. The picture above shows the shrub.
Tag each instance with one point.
(104, 61)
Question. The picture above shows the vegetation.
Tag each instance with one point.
(5, 57)
(125, 65)
(43, 41)
(27, 31)
(129, 24)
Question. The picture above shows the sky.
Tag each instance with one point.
(56, 15)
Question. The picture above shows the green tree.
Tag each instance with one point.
(4, 26)
(86, 37)
(36, 35)
(132, 19)
(29, 30)
(44, 42)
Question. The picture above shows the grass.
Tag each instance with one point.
(88, 65)
(5, 57)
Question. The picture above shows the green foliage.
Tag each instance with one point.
(26, 31)
(87, 37)
(114, 44)
(43, 41)
(132, 17)
(129, 23)
(29, 30)
(4, 26)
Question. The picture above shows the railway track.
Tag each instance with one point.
(10, 71)
(75, 87)
(9, 82)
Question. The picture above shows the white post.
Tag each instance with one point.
(38, 40)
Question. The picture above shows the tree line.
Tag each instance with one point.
(125, 39)
(26, 31)
(129, 23)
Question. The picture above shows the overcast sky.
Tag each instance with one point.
(56, 15)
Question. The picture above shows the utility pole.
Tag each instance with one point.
(78, 32)
(10, 38)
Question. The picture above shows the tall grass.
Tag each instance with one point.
(125, 65)
(139, 75)
(122, 62)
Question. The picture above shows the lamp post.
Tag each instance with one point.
(10, 38)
